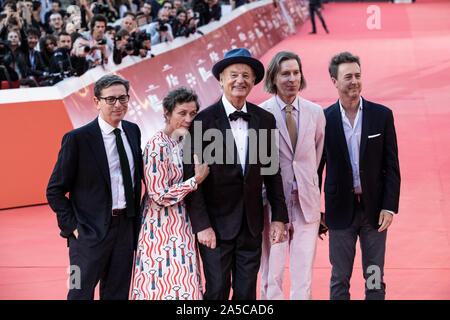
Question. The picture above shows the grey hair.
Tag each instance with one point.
(274, 68)
(107, 81)
(343, 57)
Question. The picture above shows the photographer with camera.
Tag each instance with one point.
(78, 56)
(137, 44)
(106, 9)
(60, 61)
(160, 30)
(101, 46)
(67, 62)
(11, 22)
(141, 42)
(121, 47)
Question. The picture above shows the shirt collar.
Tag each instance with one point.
(229, 108)
(106, 127)
(283, 105)
(359, 109)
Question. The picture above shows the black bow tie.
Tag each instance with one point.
(240, 114)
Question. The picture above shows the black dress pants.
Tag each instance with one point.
(232, 263)
(109, 262)
(315, 10)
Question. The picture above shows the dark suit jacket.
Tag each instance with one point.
(82, 170)
(378, 166)
(226, 194)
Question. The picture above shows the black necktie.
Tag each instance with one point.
(126, 174)
(240, 114)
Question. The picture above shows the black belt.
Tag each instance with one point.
(119, 212)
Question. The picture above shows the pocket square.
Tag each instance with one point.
(374, 136)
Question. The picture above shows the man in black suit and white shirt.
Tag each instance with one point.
(226, 210)
(100, 167)
(362, 183)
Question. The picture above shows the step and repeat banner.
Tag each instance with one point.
(257, 27)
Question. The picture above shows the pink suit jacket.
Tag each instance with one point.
(302, 164)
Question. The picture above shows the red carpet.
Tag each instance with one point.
(406, 66)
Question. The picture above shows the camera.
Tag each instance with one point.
(101, 42)
(86, 49)
(161, 27)
(60, 67)
(36, 5)
(100, 8)
(136, 42)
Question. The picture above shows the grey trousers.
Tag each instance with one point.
(342, 244)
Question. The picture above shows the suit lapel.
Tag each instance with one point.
(95, 141)
(337, 120)
(304, 118)
(364, 128)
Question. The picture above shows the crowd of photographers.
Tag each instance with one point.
(43, 42)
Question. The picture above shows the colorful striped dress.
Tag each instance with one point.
(166, 266)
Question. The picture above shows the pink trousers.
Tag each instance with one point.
(299, 243)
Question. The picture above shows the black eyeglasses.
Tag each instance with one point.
(112, 100)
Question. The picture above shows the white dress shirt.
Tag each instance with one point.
(353, 138)
(109, 138)
(239, 128)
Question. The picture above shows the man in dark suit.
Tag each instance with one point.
(362, 183)
(226, 210)
(315, 7)
(100, 167)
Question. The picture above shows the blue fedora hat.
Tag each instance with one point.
(239, 55)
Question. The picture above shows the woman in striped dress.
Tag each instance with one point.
(166, 264)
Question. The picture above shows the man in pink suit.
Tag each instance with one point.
(301, 125)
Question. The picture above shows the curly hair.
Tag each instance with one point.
(177, 96)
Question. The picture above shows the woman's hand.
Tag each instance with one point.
(201, 170)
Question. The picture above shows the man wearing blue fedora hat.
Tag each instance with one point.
(226, 210)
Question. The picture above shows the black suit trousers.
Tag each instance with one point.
(237, 259)
(314, 9)
(110, 262)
